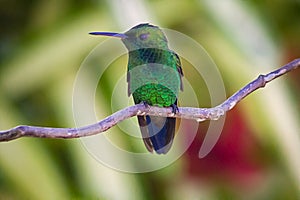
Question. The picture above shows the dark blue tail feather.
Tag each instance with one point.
(161, 131)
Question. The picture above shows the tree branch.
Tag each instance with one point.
(199, 114)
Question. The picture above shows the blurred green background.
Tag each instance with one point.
(43, 43)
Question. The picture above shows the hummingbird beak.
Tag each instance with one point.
(110, 34)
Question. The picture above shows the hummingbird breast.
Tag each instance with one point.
(153, 76)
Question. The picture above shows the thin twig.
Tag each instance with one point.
(199, 114)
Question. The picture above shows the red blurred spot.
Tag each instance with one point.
(237, 157)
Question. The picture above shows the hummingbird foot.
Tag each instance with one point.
(174, 108)
(145, 104)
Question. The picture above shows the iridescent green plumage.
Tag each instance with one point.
(154, 78)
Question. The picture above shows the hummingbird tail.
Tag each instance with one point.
(158, 132)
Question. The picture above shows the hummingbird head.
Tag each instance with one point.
(144, 36)
(140, 36)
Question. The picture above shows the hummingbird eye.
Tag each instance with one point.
(144, 36)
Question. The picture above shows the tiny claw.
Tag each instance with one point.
(174, 108)
(145, 104)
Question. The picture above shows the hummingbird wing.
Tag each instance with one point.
(179, 69)
(128, 82)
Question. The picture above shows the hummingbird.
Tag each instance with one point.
(154, 77)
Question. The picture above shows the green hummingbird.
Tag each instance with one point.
(154, 77)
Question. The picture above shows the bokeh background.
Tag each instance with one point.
(42, 45)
